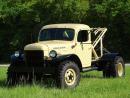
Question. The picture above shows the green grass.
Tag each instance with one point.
(92, 85)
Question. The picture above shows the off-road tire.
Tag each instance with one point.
(115, 68)
(11, 78)
(14, 78)
(63, 78)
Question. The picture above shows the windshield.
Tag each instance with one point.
(56, 34)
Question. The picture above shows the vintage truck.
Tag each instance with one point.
(63, 51)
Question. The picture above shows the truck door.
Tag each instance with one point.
(84, 48)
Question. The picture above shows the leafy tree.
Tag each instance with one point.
(115, 15)
(21, 20)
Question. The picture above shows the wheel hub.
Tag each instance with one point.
(70, 77)
(120, 69)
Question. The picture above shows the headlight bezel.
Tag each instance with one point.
(17, 53)
(53, 54)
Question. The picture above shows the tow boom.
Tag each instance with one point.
(99, 39)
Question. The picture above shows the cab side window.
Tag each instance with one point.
(82, 36)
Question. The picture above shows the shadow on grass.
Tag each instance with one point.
(91, 76)
(48, 83)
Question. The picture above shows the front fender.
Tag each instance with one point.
(109, 56)
(62, 58)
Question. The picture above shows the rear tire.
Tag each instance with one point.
(68, 75)
(115, 68)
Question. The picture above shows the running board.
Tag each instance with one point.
(89, 69)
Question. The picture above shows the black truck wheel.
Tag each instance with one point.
(115, 68)
(68, 75)
(14, 78)
(11, 78)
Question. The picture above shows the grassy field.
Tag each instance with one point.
(92, 85)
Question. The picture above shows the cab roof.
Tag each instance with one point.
(67, 25)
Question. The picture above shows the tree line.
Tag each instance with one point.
(21, 20)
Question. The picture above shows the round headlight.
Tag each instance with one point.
(53, 54)
(17, 53)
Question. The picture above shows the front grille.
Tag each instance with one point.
(34, 57)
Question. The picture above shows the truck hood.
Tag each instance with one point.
(57, 45)
(36, 46)
(49, 45)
